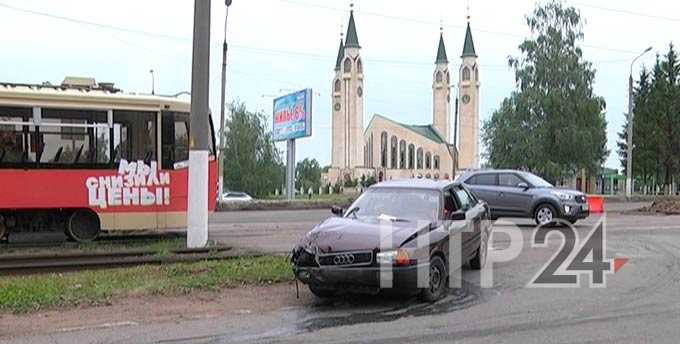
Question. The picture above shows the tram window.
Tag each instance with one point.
(181, 141)
(134, 136)
(175, 138)
(13, 138)
(101, 145)
(59, 144)
(121, 142)
(149, 140)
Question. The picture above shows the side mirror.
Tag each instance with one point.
(336, 210)
(523, 185)
(458, 216)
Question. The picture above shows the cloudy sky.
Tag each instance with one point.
(278, 46)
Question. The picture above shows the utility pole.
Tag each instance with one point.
(629, 130)
(220, 160)
(199, 142)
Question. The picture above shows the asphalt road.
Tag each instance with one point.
(640, 303)
(277, 231)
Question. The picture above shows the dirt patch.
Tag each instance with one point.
(668, 206)
(157, 309)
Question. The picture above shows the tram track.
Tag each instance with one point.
(25, 264)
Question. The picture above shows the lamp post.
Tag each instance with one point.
(220, 159)
(629, 129)
(153, 83)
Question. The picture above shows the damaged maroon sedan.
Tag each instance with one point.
(395, 233)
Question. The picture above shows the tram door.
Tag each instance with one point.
(174, 158)
(135, 138)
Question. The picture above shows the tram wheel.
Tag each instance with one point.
(83, 226)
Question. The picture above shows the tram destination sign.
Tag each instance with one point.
(293, 116)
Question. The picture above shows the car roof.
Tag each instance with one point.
(486, 170)
(415, 184)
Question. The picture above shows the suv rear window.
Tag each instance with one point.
(482, 179)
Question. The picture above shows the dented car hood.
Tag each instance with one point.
(338, 234)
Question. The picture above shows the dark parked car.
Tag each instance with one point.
(511, 193)
(343, 253)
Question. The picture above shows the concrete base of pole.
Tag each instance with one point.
(197, 212)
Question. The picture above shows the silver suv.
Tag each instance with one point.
(511, 193)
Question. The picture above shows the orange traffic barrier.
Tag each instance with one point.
(596, 204)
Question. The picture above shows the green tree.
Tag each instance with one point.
(308, 175)
(669, 107)
(553, 123)
(252, 162)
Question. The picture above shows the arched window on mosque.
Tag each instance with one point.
(336, 87)
(476, 73)
(360, 67)
(419, 159)
(402, 154)
(348, 65)
(393, 152)
(428, 160)
(466, 74)
(370, 150)
(383, 149)
(448, 77)
(435, 162)
(411, 156)
(439, 77)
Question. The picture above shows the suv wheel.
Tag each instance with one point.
(545, 214)
(437, 284)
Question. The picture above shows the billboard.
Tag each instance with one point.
(293, 116)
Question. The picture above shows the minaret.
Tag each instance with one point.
(338, 118)
(441, 90)
(352, 99)
(468, 88)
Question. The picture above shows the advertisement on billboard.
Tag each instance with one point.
(293, 116)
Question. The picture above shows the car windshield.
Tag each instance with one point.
(396, 204)
(536, 181)
(236, 194)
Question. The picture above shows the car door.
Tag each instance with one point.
(473, 211)
(513, 199)
(484, 186)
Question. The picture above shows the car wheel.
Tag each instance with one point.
(480, 257)
(545, 214)
(321, 292)
(437, 284)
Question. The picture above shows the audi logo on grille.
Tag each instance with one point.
(343, 259)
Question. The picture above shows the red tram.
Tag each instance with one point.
(84, 157)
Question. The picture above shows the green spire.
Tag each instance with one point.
(338, 60)
(469, 46)
(441, 51)
(352, 40)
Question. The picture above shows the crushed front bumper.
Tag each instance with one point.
(361, 279)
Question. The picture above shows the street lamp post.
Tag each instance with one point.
(220, 159)
(629, 129)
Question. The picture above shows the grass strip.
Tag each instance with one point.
(23, 294)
